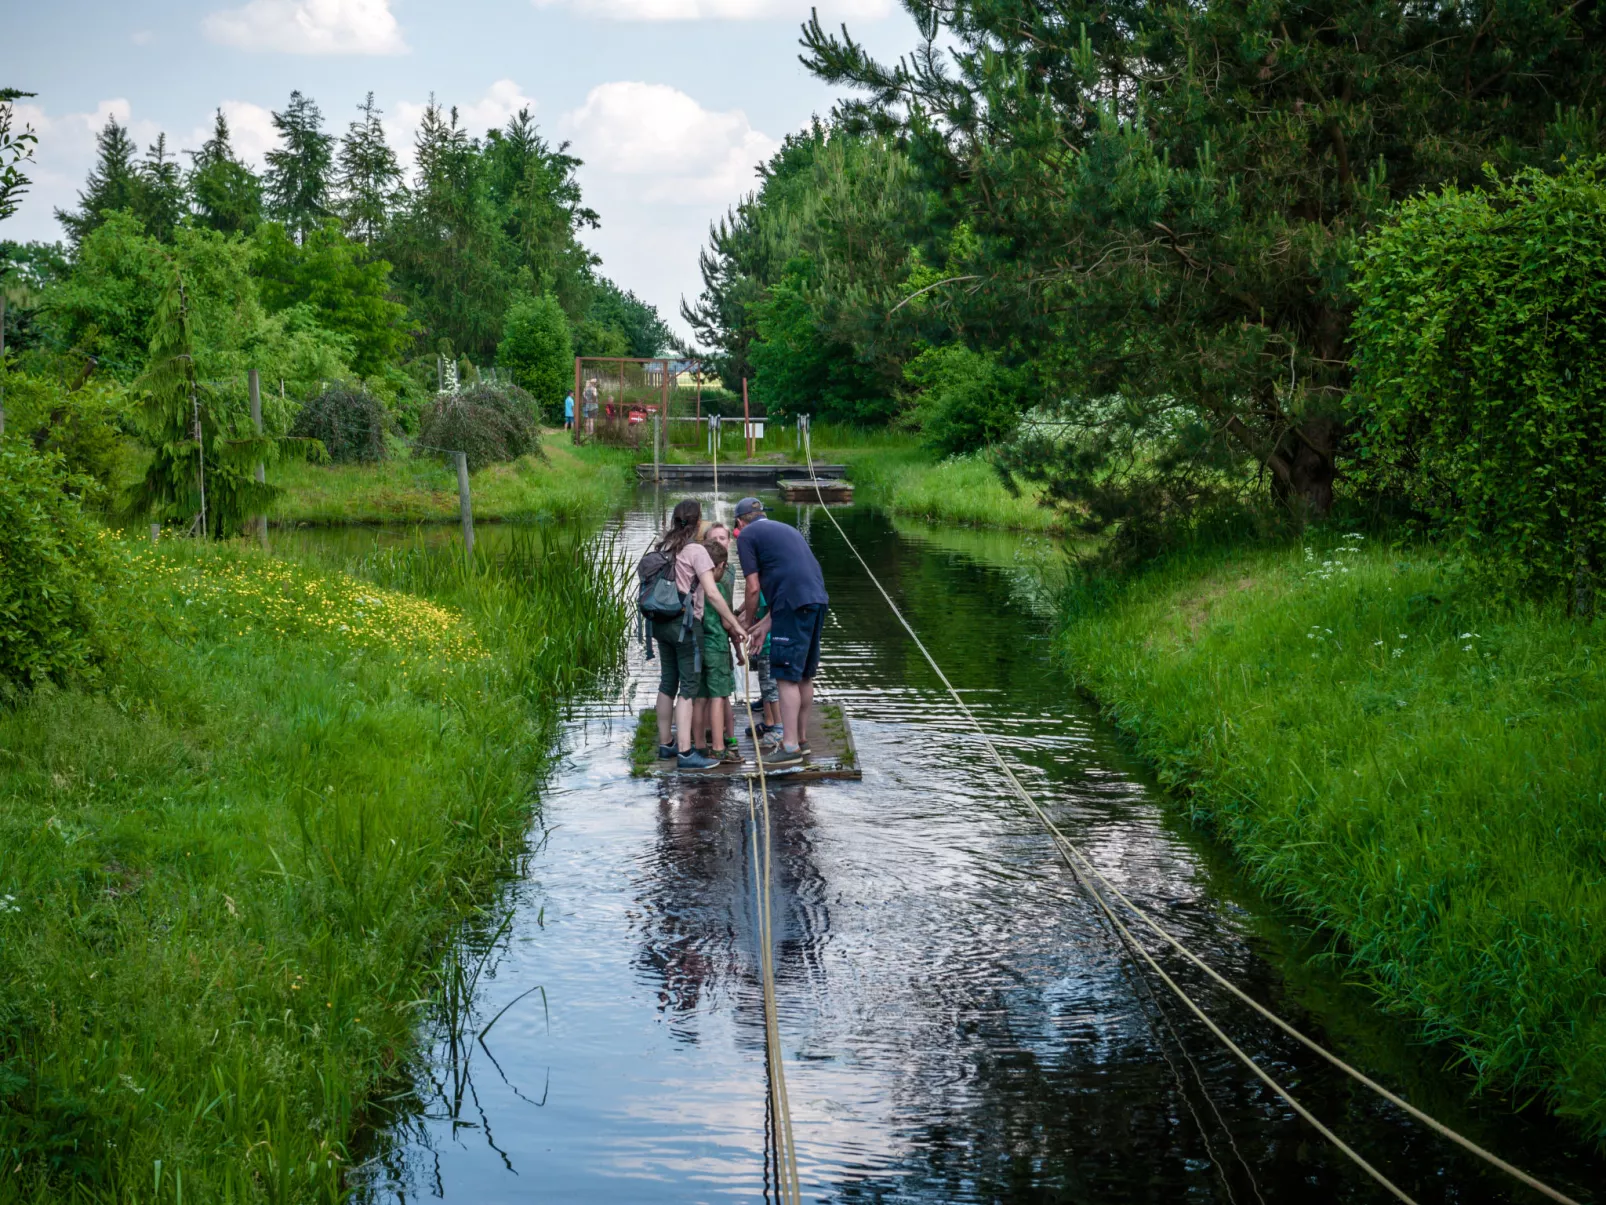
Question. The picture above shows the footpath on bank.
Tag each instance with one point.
(1413, 767)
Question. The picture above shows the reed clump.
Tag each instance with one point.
(229, 871)
(1413, 765)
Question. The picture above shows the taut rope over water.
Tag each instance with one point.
(1087, 874)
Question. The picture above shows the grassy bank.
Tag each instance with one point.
(962, 489)
(228, 871)
(567, 483)
(1415, 767)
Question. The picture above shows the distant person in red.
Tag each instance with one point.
(777, 560)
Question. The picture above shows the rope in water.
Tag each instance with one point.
(787, 1182)
(1085, 872)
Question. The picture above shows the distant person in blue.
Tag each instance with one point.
(777, 560)
(568, 411)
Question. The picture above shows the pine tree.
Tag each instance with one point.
(369, 178)
(159, 198)
(298, 178)
(14, 149)
(113, 182)
(225, 194)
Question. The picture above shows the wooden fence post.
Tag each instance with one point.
(254, 383)
(657, 428)
(156, 532)
(747, 421)
(464, 506)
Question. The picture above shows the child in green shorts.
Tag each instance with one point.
(713, 715)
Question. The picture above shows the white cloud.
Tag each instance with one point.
(657, 167)
(721, 10)
(309, 27)
(142, 37)
(674, 150)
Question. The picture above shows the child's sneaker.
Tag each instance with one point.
(783, 758)
(693, 760)
(665, 752)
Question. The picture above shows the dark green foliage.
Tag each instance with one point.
(644, 333)
(161, 200)
(486, 221)
(16, 146)
(100, 314)
(1165, 200)
(967, 401)
(369, 180)
(800, 371)
(346, 289)
(300, 170)
(537, 346)
(832, 225)
(204, 450)
(224, 193)
(79, 426)
(1481, 358)
(492, 423)
(349, 421)
(50, 570)
(113, 183)
(25, 270)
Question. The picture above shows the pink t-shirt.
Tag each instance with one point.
(693, 559)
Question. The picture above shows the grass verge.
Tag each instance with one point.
(1413, 766)
(567, 483)
(962, 489)
(228, 873)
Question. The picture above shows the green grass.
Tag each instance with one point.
(962, 489)
(231, 871)
(567, 483)
(1415, 767)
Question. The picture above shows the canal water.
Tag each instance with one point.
(958, 1022)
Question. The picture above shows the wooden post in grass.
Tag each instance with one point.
(464, 506)
(747, 421)
(156, 532)
(657, 427)
(254, 384)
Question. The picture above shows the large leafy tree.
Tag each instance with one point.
(639, 328)
(1167, 199)
(368, 180)
(300, 170)
(225, 194)
(113, 183)
(536, 345)
(345, 289)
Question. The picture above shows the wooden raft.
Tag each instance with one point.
(830, 738)
(795, 489)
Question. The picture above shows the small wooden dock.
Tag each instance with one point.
(801, 489)
(832, 752)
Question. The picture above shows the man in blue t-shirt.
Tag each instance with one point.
(777, 560)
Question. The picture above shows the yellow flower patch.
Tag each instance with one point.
(281, 598)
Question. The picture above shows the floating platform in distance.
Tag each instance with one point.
(733, 473)
(801, 489)
(830, 739)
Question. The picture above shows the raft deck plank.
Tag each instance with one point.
(830, 738)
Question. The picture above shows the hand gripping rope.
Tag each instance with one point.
(1087, 875)
(790, 1191)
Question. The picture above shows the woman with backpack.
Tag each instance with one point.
(679, 636)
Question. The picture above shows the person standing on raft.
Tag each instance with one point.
(777, 560)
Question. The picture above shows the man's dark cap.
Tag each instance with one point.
(749, 506)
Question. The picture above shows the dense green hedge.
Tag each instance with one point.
(50, 569)
(1481, 364)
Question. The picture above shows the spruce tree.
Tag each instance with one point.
(225, 194)
(113, 183)
(299, 171)
(369, 179)
(159, 197)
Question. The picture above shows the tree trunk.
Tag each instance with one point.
(1303, 480)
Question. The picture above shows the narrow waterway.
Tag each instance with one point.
(959, 1023)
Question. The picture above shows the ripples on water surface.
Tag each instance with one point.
(959, 1024)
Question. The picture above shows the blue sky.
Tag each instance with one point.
(671, 103)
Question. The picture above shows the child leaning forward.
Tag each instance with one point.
(718, 680)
